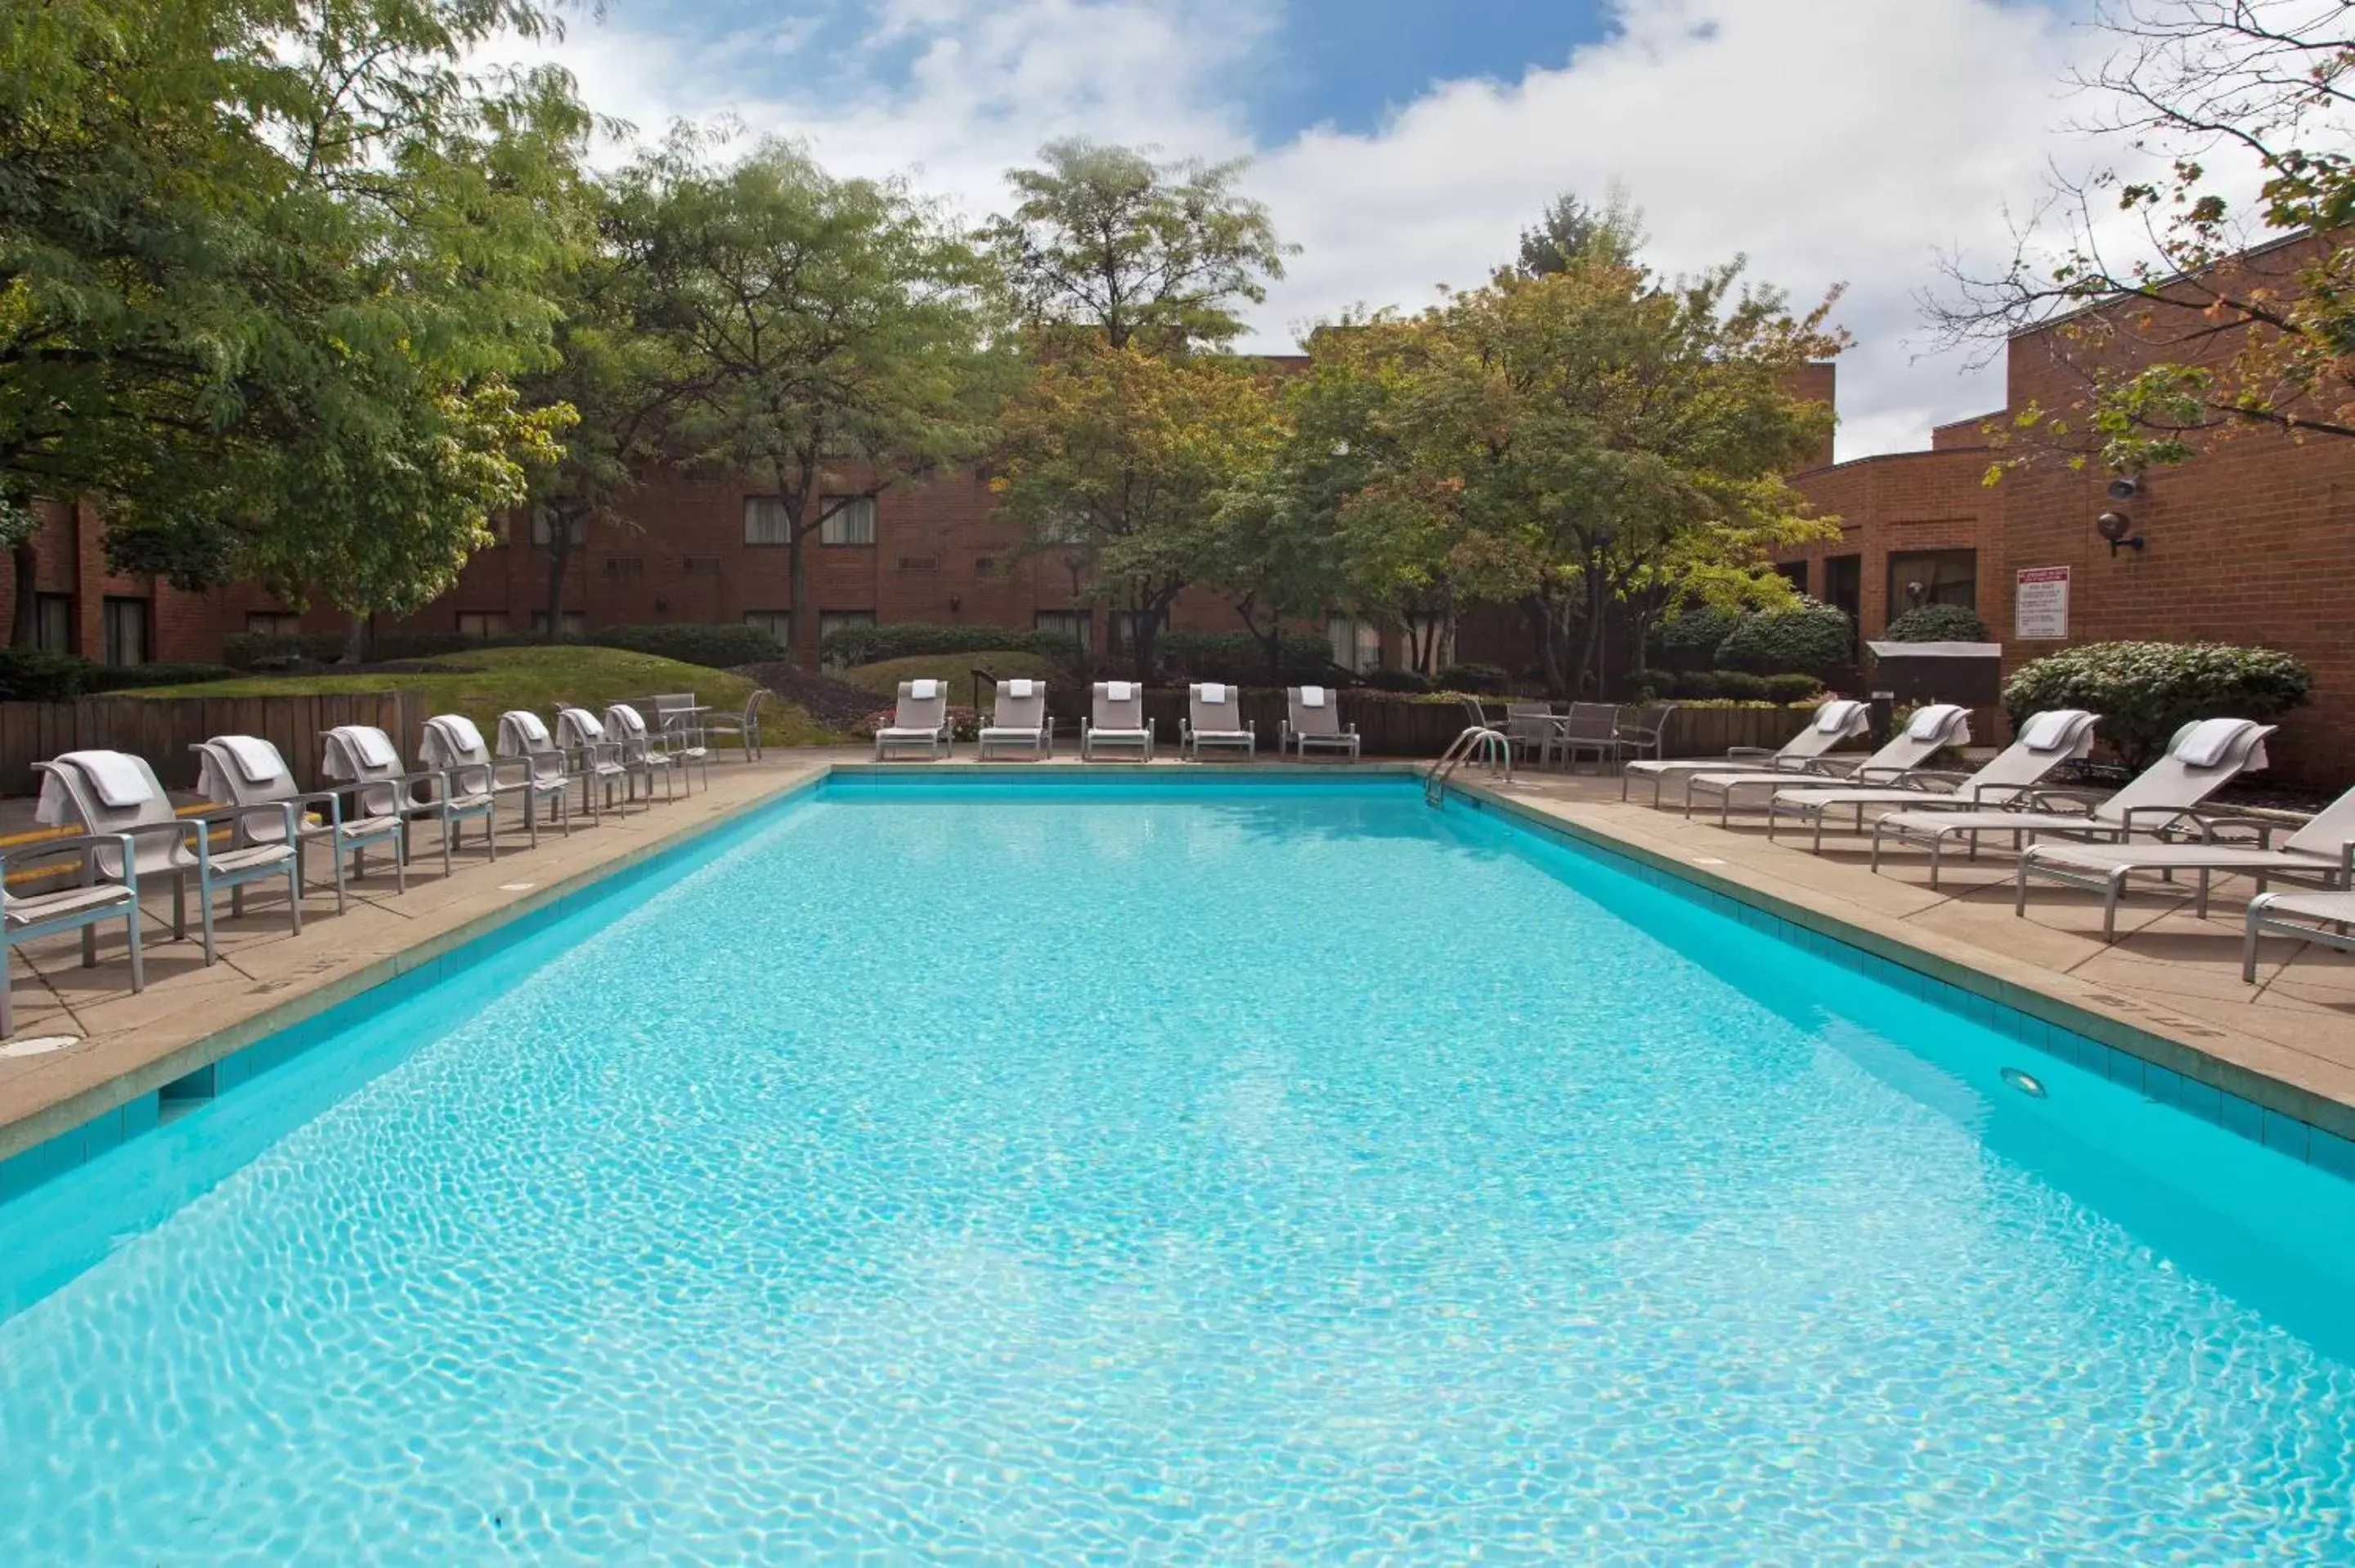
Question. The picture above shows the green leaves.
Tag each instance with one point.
(2144, 691)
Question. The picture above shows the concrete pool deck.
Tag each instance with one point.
(2170, 985)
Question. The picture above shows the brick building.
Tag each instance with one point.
(2252, 541)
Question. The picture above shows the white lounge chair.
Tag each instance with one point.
(1931, 730)
(84, 906)
(247, 770)
(115, 795)
(2323, 849)
(364, 759)
(2044, 743)
(1019, 721)
(2202, 758)
(920, 719)
(642, 753)
(1312, 717)
(1214, 717)
(541, 772)
(1116, 722)
(2324, 918)
(595, 757)
(1832, 724)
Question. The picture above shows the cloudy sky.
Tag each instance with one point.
(1402, 143)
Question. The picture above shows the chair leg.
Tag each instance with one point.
(335, 854)
(179, 909)
(138, 957)
(7, 994)
(294, 897)
(205, 912)
(90, 946)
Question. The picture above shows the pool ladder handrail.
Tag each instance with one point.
(1478, 742)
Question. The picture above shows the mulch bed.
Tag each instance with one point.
(837, 704)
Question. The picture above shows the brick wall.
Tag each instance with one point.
(1897, 502)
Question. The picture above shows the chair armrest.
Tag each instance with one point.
(82, 843)
(1752, 751)
(2263, 829)
(2166, 816)
(2057, 802)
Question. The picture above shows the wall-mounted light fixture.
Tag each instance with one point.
(955, 603)
(2117, 529)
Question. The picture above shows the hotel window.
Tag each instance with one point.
(53, 622)
(483, 622)
(1433, 639)
(765, 521)
(1795, 573)
(1933, 577)
(849, 520)
(777, 624)
(126, 631)
(1124, 628)
(1072, 623)
(1357, 643)
(574, 623)
(272, 623)
(543, 529)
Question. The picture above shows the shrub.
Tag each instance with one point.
(1238, 656)
(1405, 681)
(1741, 685)
(1938, 623)
(253, 650)
(915, 639)
(30, 675)
(170, 674)
(720, 647)
(1792, 688)
(1480, 680)
(1688, 641)
(1811, 639)
(2144, 691)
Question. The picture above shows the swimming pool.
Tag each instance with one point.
(1197, 1169)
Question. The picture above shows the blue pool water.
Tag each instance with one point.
(1207, 1173)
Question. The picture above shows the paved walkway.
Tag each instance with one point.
(2170, 975)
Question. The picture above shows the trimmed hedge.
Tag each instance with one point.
(29, 676)
(915, 639)
(1792, 688)
(1938, 623)
(1739, 685)
(1405, 681)
(1480, 680)
(1811, 639)
(720, 647)
(2144, 691)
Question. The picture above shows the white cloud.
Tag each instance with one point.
(1835, 141)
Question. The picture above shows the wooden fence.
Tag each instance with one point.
(162, 729)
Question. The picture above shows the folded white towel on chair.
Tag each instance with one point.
(256, 759)
(1024, 689)
(1119, 690)
(367, 744)
(463, 736)
(1834, 717)
(1212, 692)
(116, 778)
(1312, 696)
(2048, 730)
(529, 726)
(2205, 744)
(1931, 722)
(924, 691)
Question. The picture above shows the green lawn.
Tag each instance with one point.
(484, 683)
(956, 669)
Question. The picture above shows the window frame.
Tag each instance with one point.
(484, 617)
(1897, 603)
(783, 521)
(43, 604)
(1079, 621)
(832, 522)
(111, 610)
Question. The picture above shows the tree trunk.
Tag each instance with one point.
(26, 556)
(559, 561)
(357, 638)
(805, 633)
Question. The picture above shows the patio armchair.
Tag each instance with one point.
(524, 741)
(678, 721)
(642, 753)
(364, 762)
(115, 796)
(1532, 728)
(1214, 718)
(1590, 728)
(595, 757)
(1644, 731)
(1312, 717)
(454, 743)
(83, 906)
(746, 729)
(247, 770)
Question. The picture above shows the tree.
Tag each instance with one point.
(841, 331)
(1570, 440)
(1570, 230)
(2190, 337)
(237, 232)
(1109, 241)
(1131, 456)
